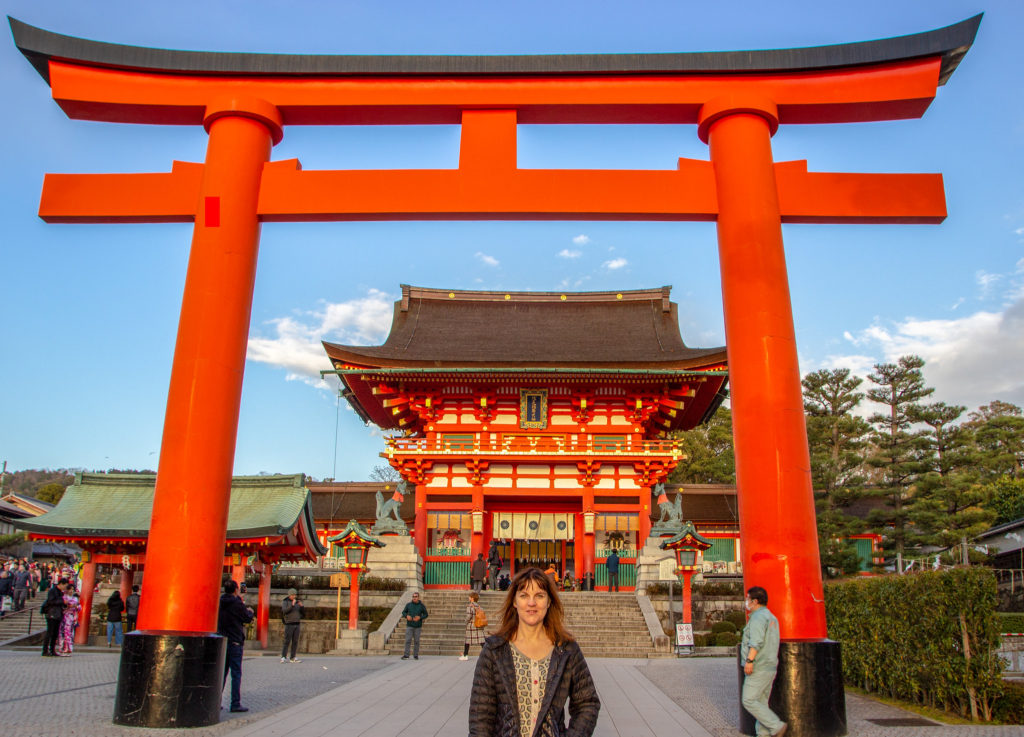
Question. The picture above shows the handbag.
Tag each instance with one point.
(480, 618)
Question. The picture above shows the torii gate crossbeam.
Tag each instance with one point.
(737, 100)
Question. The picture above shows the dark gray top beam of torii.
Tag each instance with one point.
(40, 46)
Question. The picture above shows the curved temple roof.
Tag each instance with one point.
(438, 328)
(951, 43)
(119, 505)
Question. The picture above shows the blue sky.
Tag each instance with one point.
(89, 312)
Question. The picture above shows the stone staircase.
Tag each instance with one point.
(606, 625)
(15, 626)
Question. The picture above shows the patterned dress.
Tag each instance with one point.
(531, 681)
(474, 635)
(66, 638)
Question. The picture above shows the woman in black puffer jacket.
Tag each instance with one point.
(530, 667)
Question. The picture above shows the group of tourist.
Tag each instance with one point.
(21, 580)
(59, 586)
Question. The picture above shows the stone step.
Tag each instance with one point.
(605, 624)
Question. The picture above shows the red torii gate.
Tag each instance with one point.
(737, 100)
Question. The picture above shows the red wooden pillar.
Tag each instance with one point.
(419, 533)
(127, 579)
(263, 605)
(238, 574)
(353, 600)
(577, 549)
(185, 556)
(87, 581)
(776, 506)
(644, 513)
(687, 601)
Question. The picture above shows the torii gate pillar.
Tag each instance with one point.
(770, 437)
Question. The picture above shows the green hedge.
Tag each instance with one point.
(727, 639)
(1011, 622)
(724, 626)
(1009, 709)
(928, 638)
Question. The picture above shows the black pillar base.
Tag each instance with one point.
(808, 692)
(170, 679)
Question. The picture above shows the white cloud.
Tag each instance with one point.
(581, 240)
(986, 281)
(615, 263)
(970, 361)
(957, 303)
(489, 260)
(566, 253)
(295, 343)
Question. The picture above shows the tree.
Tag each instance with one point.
(898, 449)
(385, 474)
(999, 434)
(1005, 497)
(949, 495)
(708, 452)
(836, 439)
(51, 492)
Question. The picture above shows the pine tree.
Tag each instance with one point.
(898, 449)
(999, 434)
(836, 438)
(949, 496)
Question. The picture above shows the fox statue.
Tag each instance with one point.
(392, 505)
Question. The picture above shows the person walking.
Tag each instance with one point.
(530, 668)
(414, 613)
(760, 648)
(131, 609)
(478, 572)
(476, 620)
(232, 616)
(611, 564)
(494, 563)
(292, 612)
(115, 626)
(53, 610)
(22, 580)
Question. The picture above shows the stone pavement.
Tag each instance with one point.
(388, 697)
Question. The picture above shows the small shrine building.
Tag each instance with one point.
(270, 520)
(540, 420)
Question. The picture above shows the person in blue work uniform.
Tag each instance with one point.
(760, 648)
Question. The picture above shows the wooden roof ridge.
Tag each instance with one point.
(410, 292)
(120, 505)
(448, 328)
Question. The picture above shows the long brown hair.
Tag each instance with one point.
(554, 625)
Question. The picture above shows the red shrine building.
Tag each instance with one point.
(541, 420)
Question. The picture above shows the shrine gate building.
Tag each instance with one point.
(538, 419)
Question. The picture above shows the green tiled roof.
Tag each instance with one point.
(119, 505)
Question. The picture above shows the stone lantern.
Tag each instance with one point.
(686, 545)
(355, 542)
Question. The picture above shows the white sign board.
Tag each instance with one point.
(684, 635)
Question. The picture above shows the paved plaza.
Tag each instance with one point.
(388, 697)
